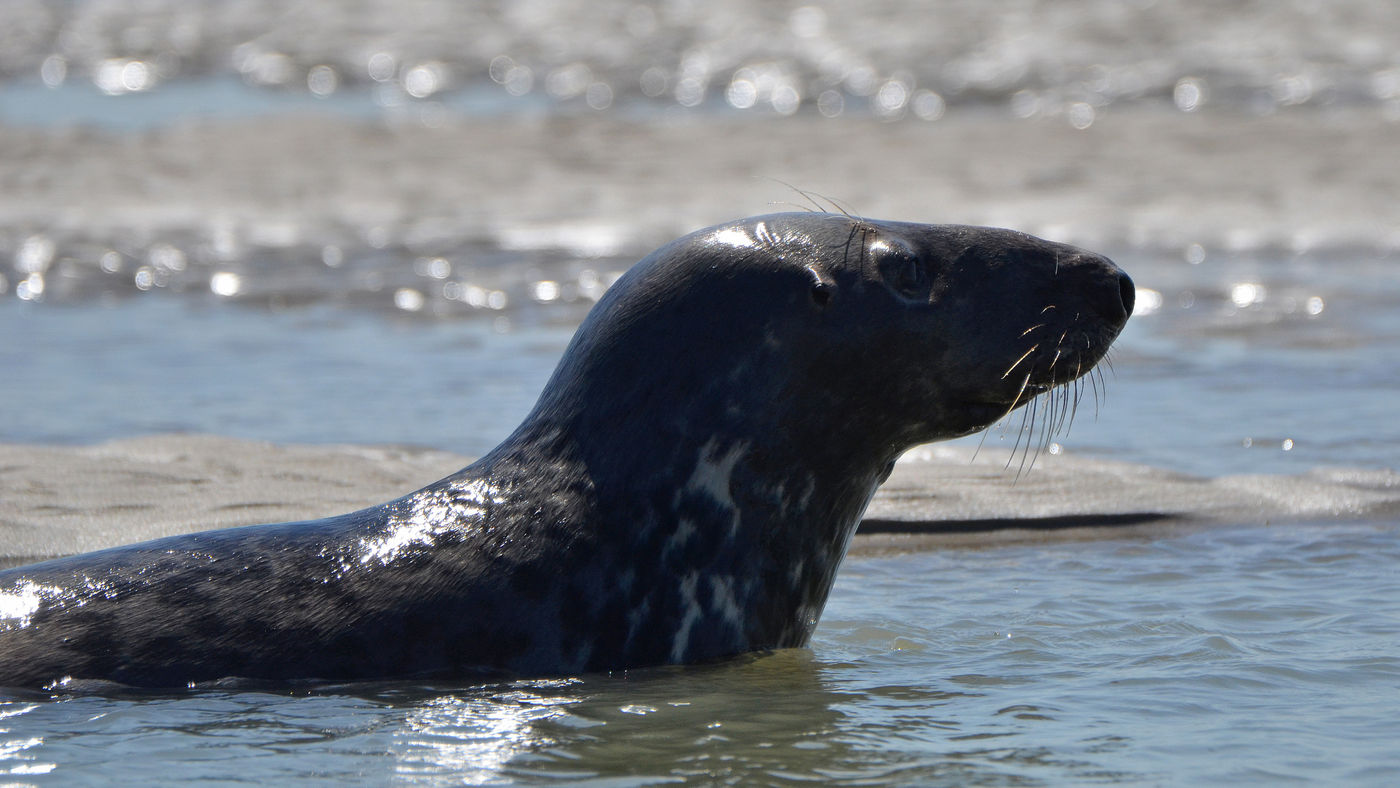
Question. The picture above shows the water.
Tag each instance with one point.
(1187, 660)
(381, 227)
(1201, 384)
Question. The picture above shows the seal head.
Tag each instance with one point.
(684, 490)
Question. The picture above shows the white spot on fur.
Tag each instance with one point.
(684, 530)
(712, 476)
(725, 603)
(789, 502)
(807, 493)
(635, 618)
(795, 571)
(693, 614)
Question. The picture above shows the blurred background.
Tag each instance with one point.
(379, 222)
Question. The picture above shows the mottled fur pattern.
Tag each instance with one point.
(684, 490)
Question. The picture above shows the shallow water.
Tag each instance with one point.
(1248, 364)
(311, 226)
(1253, 655)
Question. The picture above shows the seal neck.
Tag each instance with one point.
(721, 461)
(757, 504)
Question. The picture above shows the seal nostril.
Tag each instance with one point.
(1127, 292)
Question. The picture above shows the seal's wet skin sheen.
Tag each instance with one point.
(684, 489)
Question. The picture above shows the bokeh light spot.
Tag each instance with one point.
(928, 105)
(408, 299)
(54, 71)
(322, 80)
(1081, 115)
(831, 103)
(1244, 294)
(225, 283)
(1188, 94)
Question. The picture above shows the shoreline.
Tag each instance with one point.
(59, 500)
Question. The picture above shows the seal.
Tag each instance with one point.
(684, 489)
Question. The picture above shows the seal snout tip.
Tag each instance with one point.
(1126, 293)
(1112, 291)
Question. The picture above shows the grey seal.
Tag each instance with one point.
(683, 491)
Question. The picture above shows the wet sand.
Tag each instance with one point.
(1140, 176)
(63, 500)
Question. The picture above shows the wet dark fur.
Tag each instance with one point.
(685, 488)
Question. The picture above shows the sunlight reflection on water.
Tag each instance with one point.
(1032, 663)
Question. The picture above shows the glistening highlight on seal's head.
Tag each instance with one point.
(684, 490)
(883, 334)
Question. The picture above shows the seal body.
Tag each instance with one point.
(684, 490)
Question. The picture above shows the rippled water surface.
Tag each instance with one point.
(1251, 655)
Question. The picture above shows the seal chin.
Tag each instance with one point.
(969, 417)
(1031, 391)
(997, 406)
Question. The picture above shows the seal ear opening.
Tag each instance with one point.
(822, 288)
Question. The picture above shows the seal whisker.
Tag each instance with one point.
(980, 441)
(816, 206)
(1025, 384)
(1067, 418)
(856, 227)
(864, 247)
(794, 206)
(1041, 402)
(1016, 364)
(1027, 412)
(1074, 406)
(1010, 458)
(1078, 393)
(1059, 346)
(1058, 402)
(1093, 389)
(1032, 328)
(1034, 408)
(841, 209)
(1015, 402)
(1028, 430)
(1046, 432)
(1005, 426)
